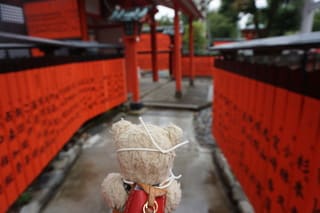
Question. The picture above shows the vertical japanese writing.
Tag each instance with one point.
(316, 206)
(298, 189)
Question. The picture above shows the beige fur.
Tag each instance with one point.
(113, 192)
(142, 166)
(173, 196)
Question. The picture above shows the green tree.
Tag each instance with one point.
(223, 23)
(286, 20)
(199, 37)
(278, 18)
(221, 26)
(316, 21)
(229, 9)
(199, 33)
(165, 21)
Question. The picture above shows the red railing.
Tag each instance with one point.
(269, 131)
(42, 108)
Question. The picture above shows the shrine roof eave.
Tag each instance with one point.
(188, 7)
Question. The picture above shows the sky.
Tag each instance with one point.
(214, 5)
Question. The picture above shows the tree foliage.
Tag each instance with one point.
(228, 9)
(285, 20)
(278, 18)
(199, 33)
(199, 37)
(223, 23)
(165, 21)
(221, 26)
(316, 21)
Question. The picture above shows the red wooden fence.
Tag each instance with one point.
(53, 19)
(144, 50)
(145, 62)
(163, 42)
(270, 136)
(203, 66)
(42, 108)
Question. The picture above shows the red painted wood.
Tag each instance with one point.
(83, 20)
(131, 67)
(42, 108)
(44, 18)
(177, 50)
(7, 178)
(202, 65)
(191, 49)
(270, 137)
(154, 57)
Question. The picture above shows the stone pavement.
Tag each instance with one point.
(72, 181)
(202, 190)
(162, 93)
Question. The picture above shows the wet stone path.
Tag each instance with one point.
(202, 190)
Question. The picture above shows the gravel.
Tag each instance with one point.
(202, 124)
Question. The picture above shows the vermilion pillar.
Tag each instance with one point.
(128, 63)
(83, 20)
(132, 72)
(177, 53)
(154, 48)
(191, 51)
(171, 58)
